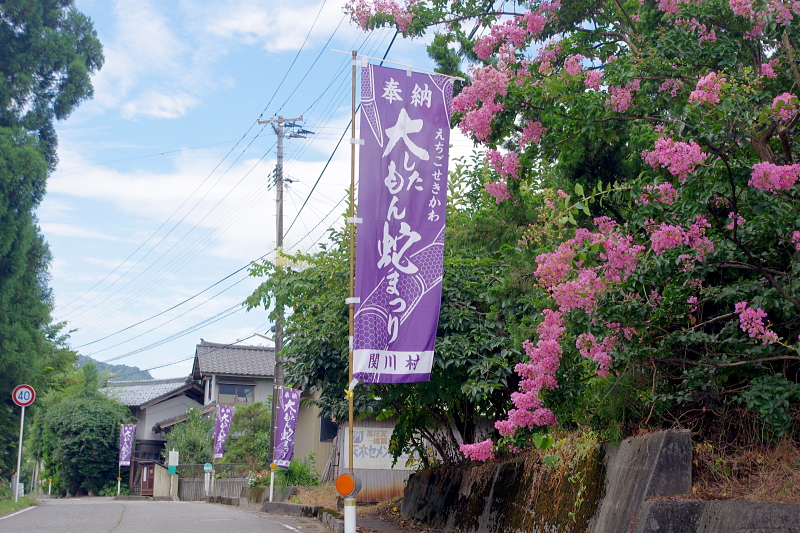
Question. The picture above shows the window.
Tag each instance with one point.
(233, 394)
(327, 429)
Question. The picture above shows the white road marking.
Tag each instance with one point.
(18, 512)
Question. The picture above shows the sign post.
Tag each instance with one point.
(23, 396)
(207, 477)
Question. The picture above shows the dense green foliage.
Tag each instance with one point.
(47, 52)
(192, 439)
(248, 440)
(76, 435)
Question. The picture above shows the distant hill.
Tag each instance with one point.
(118, 372)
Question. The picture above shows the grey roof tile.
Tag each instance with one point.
(234, 360)
(136, 393)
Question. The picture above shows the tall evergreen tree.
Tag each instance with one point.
(48, 50)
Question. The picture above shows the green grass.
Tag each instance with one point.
(9, 506)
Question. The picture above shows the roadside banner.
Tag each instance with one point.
(288, 408)
(222, 427)
(126, 434)
(405, 128)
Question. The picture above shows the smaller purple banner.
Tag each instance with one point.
(224, 417)
(288, 407)
(126, 434)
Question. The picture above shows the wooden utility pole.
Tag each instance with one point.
(279, 125)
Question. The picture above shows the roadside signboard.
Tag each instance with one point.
(23, 395)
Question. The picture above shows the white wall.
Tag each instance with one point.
(160, 412)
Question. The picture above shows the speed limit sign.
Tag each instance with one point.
(23, 395)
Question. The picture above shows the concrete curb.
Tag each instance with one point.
(227, 500)
(293, 509)
(123, 498)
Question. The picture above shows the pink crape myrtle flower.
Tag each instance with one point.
(739, 221)
(531, 133)
(537, 374)
(679, 158)
(572, 65)
(663, 193)
(621, 97)
(666, 236)
(770, 177)
(507, 165)
(592, 79)
(708, 89)
(751, 321)
(480, 451)
(768, 68)
(796, 240)
(361, 11)
(786, 104)
(598, 352)
(499, 190)
(743, 8)
(670, 85)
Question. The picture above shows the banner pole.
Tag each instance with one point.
(119, 478)
(350, 407)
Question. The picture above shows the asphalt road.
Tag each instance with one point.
(104, 515)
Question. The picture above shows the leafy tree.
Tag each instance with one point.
(248, 440)
(47, 52)
(76, 434)
(192, 439)
(676, 122)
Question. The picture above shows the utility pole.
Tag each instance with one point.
(279, 126)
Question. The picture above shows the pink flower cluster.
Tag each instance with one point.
(751, 321)
(548, 54)
(538, 373)
(572, 65)
(507, 165)
(768, 68)
(361, 11)
(796, 240)
(786, 104)
(670, 6)
(499, 190)
(598, 352)
(514, 33)
(771, 177)
(531, 133)
(743, 8)
(487, 84)
(735, 221)
(480, 451)
(679, 158)
(670, 85)
(668, 236)
(592, 79)
(663, 193)
(708, 89)
(701, 29)
(621, 97)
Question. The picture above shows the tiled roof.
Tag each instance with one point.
(233, 360)
(136, 393)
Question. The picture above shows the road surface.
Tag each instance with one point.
(104, 515)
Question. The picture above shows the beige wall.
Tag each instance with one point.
(160, 412)
(161, 481)
(306, 438)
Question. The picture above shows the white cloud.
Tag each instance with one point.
(68, 230)
(155, 105)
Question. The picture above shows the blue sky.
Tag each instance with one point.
(163, 187)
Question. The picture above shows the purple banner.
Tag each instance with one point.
(126, 433)
(288, 407)
(402, 192)
(223, 425)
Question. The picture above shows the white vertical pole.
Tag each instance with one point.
(350, 514)
(19, 454)
(271, 482)
(49, 486)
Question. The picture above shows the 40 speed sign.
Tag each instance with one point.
(23, 395)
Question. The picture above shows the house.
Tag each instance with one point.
(234, 374)
(152, 404)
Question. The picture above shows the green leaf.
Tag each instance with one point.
(579, 189)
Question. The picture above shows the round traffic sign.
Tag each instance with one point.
(23, 395)
(207, 467)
